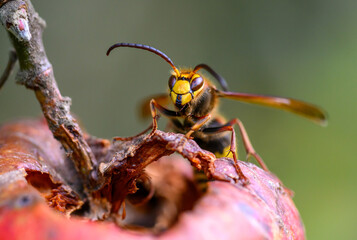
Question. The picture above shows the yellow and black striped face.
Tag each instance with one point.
(183, 89)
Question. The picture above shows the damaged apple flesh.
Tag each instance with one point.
(36, 186)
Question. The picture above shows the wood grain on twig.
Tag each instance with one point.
(36, 73)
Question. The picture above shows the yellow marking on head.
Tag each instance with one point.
(181, 87)
(173, 96)
(195, 75)
(195, 93)
(186, 98)
(186, 74)
(181, 93)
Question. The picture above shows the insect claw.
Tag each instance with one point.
(195, 100)
(188, 134)
(248, 157)
(244, 181)
(137, 135)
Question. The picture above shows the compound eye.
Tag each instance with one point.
(172, 81)
(196, 83)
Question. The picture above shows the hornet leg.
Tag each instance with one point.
(154, 106)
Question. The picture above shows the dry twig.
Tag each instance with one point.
(25, 28)
(92, 177)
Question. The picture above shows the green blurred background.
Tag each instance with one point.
(301, 49)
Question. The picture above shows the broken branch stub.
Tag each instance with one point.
(25, 28)
(35, 170)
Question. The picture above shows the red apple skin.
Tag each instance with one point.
(261, 210)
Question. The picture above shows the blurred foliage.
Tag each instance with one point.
(301, 49)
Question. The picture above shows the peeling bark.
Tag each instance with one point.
(85, 178)
(25, 28)
(260, 210)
